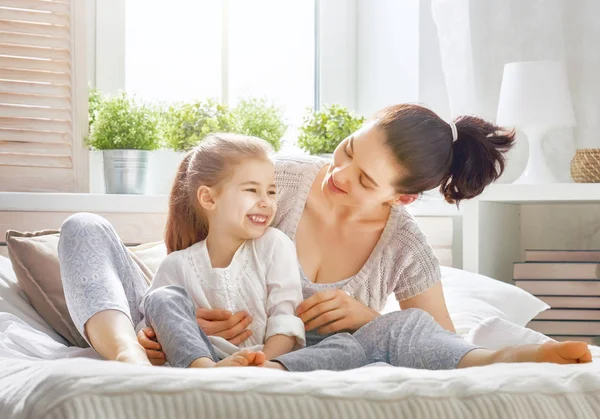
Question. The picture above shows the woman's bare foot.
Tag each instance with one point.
(564, 353)
(133, 355)
(555, 352)
(243, 358)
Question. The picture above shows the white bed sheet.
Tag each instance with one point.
(42, 378)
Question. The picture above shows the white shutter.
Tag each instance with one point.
(43, 96)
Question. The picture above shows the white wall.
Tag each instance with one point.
(387, 53)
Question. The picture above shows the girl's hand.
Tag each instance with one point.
(147, 338)
(222, 323)
(334, 310)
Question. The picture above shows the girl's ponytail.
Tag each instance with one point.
(185, 225)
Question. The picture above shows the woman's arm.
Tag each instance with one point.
(334, 311)
(433, 302)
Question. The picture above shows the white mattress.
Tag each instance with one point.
(33, 385)
(84, 388)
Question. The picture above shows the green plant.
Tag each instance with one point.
(122, 122)
(186, 124)
(94, 100)
(323, 130)
(258, 118)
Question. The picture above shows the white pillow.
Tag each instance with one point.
(471, 298)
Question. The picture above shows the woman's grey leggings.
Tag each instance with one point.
(98, 274)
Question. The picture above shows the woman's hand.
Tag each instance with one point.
(147, 338)
(333, 311)
(222, 323)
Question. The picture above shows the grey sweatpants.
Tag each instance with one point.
(98, 274)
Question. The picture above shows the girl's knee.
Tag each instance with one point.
(167, 298)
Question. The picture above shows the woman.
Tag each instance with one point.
(355, 243)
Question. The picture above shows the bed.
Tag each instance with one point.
(42, 377)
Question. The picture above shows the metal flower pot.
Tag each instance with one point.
(125, 171)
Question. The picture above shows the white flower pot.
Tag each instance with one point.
(97, 172)
(162, 170)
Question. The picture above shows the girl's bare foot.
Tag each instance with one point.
(243, 358)
(275, 365)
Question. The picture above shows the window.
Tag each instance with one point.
(226, 49)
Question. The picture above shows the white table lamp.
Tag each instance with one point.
(535, 98)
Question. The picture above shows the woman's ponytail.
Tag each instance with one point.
(477, 158)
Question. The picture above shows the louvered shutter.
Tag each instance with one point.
(43, 96)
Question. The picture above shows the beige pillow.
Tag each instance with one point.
(34, 257)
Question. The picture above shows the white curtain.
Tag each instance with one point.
(478, 37)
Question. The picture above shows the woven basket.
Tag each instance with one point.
(585, 166)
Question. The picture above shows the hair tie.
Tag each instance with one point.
(454, 131)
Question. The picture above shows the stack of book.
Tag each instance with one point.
(569, 282)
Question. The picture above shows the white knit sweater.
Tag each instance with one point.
(402, 261)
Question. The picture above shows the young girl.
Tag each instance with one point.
(224, 255)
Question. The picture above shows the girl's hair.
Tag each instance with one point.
(209, 163)
(423, 145)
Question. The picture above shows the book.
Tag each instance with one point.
(571, 302)
(556, 270)
(590, 340)
(560, 288)
(568, 314)
(535, 255)
(565, 327)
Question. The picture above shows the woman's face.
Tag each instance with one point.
(363, 171)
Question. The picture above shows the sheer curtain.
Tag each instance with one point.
(478, 37)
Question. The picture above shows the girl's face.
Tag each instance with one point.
(244, 205)
(363, 171)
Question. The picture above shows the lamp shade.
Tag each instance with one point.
(535, 93)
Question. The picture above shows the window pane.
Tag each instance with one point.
(271, 53)
(173, 49)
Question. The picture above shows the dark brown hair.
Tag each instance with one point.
(210, 163)
(423, 145)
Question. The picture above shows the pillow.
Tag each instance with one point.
(496, 333)
(471, 298)
(13, 300)
(34, 257)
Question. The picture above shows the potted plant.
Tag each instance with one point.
(258, 118)
(183, 125)
(323, 130)
(95, 98)
(126, 130)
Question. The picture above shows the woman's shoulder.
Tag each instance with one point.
(292, 168)
(405, 233)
